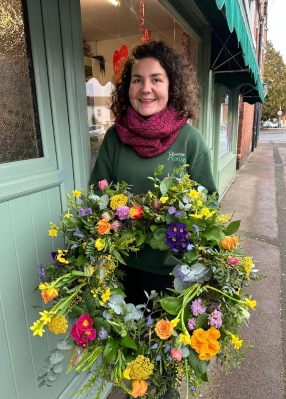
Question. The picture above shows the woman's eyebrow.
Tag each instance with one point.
(153, 75)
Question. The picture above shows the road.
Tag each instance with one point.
(272, 135)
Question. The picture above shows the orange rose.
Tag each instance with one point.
(164, 329)
(229, 242)
(205, 342)
(139, 388)
(136, 212)
(103, 227)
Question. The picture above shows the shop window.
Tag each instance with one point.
(19, 126)
(225, 122)
(109, 33)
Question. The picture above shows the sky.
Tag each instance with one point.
(277, 25)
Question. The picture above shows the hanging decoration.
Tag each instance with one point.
(119, 59)
(186, 43)
(145, 32)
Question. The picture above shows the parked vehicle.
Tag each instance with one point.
(96, 130)
(269, 125)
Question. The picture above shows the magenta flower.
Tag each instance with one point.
(176, 354)
(82, 331)
(84, 322)
(102, 184)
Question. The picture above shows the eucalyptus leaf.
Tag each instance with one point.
(57, 357)
(64, 345)
(58, 368)
(42, 383)
(165, 185)
(43, 371)
(103, 202)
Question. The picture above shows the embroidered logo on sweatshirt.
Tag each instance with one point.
(177, 157)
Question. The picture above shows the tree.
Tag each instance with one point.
(275, 78)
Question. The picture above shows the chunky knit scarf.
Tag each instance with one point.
(149, 137)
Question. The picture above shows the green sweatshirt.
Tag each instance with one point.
(118, 162)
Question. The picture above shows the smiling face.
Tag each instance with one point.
(149, 87)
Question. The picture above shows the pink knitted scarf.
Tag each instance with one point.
(149, 137)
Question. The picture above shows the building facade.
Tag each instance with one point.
(58, 62)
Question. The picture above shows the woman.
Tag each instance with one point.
(157, 94)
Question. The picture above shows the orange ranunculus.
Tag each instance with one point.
(139, 388)
(136, 212)
(213, 334)
(103, 227)
(205, 342)
(229, 242)
(164, 329)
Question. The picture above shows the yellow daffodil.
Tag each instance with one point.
(68, 215)
(53, 233)
(99, 244)
(126, 374)
(46, 316)
(237, 343)
(37, 327)
(185, 338)
(250, 303)
(175, 321)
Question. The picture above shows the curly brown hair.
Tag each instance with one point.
(183, 85)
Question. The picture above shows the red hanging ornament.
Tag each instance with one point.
(146, 32)
(119, 59)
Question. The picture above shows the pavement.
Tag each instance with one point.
(257, 195)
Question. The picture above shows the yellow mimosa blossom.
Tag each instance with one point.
(185, 338)
(175, 321)
(126, 374)
(58, 325)
(89, 270)
(140, 368)
(106, 295)
(118, 200)
(37, 327)
(250, 303)
(99, 244)
(237, 343)
(223, 218)
(76, 193)
(247, 263)
(164, 199)
(53, 233)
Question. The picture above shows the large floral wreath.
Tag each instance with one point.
(146, 349)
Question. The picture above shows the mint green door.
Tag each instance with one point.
(44, 153)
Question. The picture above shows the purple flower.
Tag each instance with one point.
(116, 224)
(41, 272)
(102, 333)
(197, 308)
(192, 324)
(215, 319)
(158, 358)
(178, 214)
(81, 212)
(123, 212)
(88, 211)
(169, 358)
(167, 348)
(192, 389)
(155, 346)
(177, 237)
(172, 210)
(149, 321)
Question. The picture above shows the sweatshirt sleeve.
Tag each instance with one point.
(103, 165)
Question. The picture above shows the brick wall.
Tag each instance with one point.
(245, 126)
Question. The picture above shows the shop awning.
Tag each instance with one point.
(233, 57)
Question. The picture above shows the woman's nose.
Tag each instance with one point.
(146, 87)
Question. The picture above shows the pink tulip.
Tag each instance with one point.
(102, 184)
(176, 354)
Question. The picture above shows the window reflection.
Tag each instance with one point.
(225, 122)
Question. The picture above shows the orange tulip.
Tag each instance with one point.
(136, 212)
(229, 242)
(164, 329)
(139, 388)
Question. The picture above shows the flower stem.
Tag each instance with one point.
(187, 378)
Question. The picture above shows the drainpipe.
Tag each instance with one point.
(257, 107)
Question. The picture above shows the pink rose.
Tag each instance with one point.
(102, 184)
(176, 354)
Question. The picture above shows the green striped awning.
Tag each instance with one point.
(233, 56)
